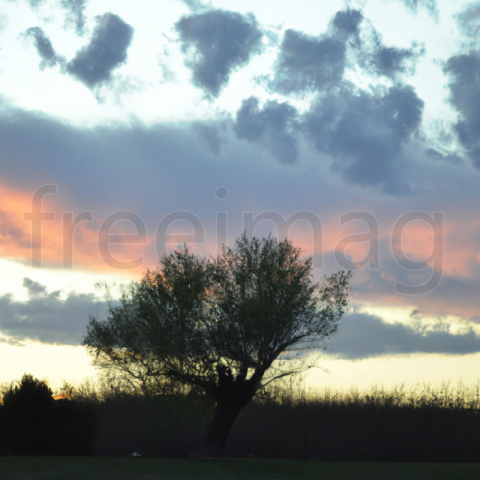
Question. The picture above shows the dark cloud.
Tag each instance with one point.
(365, 336)
(46, 317)
(106, 51)
(315, 63)
(389, 61)
(217, 43)
(348, 21)
(140, 157)
(34, 288)
(75, 14)
(463, 72)
(274, 126)
(308, 63)
(365, 133)
(43, 45)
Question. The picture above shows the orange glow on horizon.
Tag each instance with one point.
(460, 260)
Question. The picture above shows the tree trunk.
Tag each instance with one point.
(225, 415)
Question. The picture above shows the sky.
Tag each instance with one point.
(352, 128)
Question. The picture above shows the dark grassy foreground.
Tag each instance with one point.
(53, 468)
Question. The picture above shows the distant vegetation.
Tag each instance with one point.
(424, 424)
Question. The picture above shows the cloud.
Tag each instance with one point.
(429, 5)
(35, 3)
(365, 133)
(313, 63)
(435, 155)
(75, 14)
(457, 277)
(34, 288)
(365, 336)
(308, 63)
(46, 317)
(43, 45)
(379, 59)
(93, 154)
(348, 22)
(217, 43)
(12, 342)
(210, 137)
(463, 72)
(154, 171)
(196, 5)
(273, 126)
(106, 51)
(468, 21)
(389, 61)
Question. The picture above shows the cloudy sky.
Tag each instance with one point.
(352, 127)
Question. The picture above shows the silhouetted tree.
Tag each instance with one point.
(220, 324)
(28, 411)
(36, 424)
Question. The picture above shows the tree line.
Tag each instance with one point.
(108, 419)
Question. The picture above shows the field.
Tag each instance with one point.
(91, 468)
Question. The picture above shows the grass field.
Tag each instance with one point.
(53, 468)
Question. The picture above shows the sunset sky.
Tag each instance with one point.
(128, 128)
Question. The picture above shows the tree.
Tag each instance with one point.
(28, 410)
(220, 324)
(34, 423)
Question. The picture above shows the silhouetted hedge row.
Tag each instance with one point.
(368, 428)
(309, 431)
